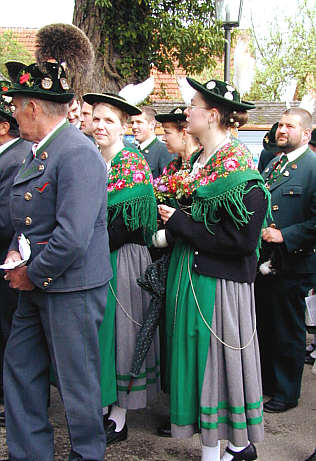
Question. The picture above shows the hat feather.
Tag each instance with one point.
(287, 92)
(308, 103)
(244, 67)
(136, 94)
(186, 90)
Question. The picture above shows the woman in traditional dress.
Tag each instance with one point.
(181, 143)
(215, 377)
(132, 219)
(176, 137)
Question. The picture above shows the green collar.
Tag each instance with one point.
(17, 141)
(146, 149)
(51, 137)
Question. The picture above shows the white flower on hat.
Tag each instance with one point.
(210, 85)
(230, 88)
(178, 111)
(228, 95)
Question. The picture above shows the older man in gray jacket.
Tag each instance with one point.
(13, 149)
(58, 203)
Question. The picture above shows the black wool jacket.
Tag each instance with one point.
(119, 234)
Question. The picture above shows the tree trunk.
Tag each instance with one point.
(88, 17)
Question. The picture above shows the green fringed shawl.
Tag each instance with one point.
(223, 183)
(130, 192)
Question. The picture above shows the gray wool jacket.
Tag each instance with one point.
(59, 202)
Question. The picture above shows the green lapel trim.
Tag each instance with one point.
(18, 141)
(282, 179)
(50, 139)
(30, 171)
(149, 145)
(32, 168)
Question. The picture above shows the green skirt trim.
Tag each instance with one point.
(142, 387)
(225, 406)
(140, 382)
(153, 370)
(234, 424)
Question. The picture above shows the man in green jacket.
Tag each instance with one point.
(154, 151)
(289, 245)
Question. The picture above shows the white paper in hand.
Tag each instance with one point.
(310, 317)
(24, 248)
(25, 252)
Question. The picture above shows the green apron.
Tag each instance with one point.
(107, 343)
(187, 335)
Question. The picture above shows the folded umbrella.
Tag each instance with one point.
(154, 281)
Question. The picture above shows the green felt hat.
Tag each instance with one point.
(176, 115)
(221, 93)
(113, 99)
(46, 80)
(269, 142)
(313, 138)
(6, 104)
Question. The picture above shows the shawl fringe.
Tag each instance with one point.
(206, 205)
(134, 201)
(137, 213)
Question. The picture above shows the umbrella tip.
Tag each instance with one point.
(130, 385)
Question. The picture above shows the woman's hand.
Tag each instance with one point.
(165, 212)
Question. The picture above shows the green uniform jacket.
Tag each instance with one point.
(293, 207)
(157, 157)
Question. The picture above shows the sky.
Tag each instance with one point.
(38, 13)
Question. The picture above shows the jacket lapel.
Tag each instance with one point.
(291, 170)
(18, 141)
(32, 168)
(284, 177)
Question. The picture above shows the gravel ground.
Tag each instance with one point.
(290, 436)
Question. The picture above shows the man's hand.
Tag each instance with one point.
(272, 235)
(12, 256)
(19, 279)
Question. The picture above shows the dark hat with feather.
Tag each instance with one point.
(112, 99)
(217, 91)
(6, 105)
(66, 43)
(175, 115)
(269, 142)
(46, 80)
(64, 57)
